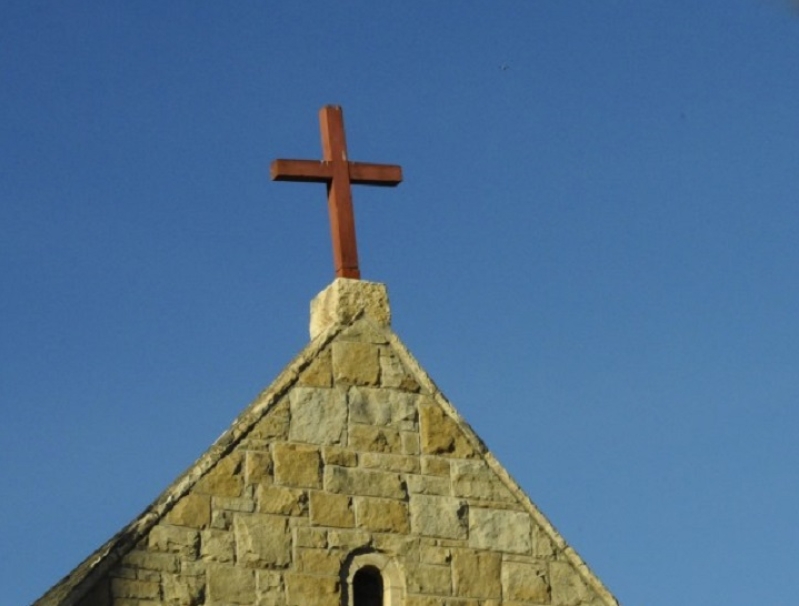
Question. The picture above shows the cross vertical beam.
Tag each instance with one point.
(339, 174)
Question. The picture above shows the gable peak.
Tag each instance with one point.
(346, 300)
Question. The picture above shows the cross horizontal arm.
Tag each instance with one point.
(310, 171)
(389, 175)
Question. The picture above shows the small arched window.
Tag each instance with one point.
(367, 587)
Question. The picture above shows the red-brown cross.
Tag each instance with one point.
(338, 172)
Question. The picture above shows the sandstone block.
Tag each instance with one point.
(318, 561)
(355, 363)
(217, 545)
(345, 300)
(476, 574)
(500, 530)
(402, 545)
(231, 585)
(354, 481)
(440, 434)
(242, 504)
(193, 510)
(179, 590)
(224, 479)
(174, 539)
(434, 516)
(310, 590)
(393, 373)
(258, 467)
(150, 560)
(383, 407)
(336, 455)
(525, 582)
(474, 479)
(568, 587)
(429, 579)
(410, 443)
(435, 466)
(329, 509)
(367, 438)
(134, 588)
(348, 540)
(280, 500)
(319, 372)
(381, 515)
(318, 416)
(430, 485)
(262, 540)
(274, 425)
(542, 544)
(297, 465)
(310, 537)
(431, 553)
(390, 462)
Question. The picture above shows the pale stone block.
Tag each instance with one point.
(381, 515)
(336, 455)
(410, 443)
(269, 581)
(262, 540)
(431, 553)
(401, 545)
(525, 582)
(390, 462)
(542, 544)
(319, 373)
(440, 434)
(331, 510)
(348, 540)
(318, 561)
(435, 466)
(174, 539)
(431, 485)
(148, 560)
(217, 546)
(355, 363)
(434, 516)
(230, 585)
(475, 480)
(500, 530)
(318, 416)
(393, 374)
(568, 587)
(354, 481)
(224, 479)
(383, 407)
(429, 579)
(367, 438)
(179, 590)
(193, 510)
(310, 590)
(274, 425)
(258, 467)
(280, 500)
(297, 465)
(476, 574)
(239, 504)
(345, 300)
(310, 537)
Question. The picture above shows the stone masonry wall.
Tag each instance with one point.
(356, 457)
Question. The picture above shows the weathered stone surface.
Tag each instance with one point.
(402, 545)
(319, 372)
(174, 539)
(274, 425)
(310, 537)
(393, 373)
(568, 588)
(390, 462)
(231, 585)
(355, 363)
(440, 434)
(500, 530)
(444, 517)
(435, 466)
(381, 515)
(318, 561)
(224, 479)
(354, 481)
(258, 467)
(217, 545)
(383, 407)
(472, 478)
(311, 590)
(150, 560)
(410, 443)
(331, 510)
(183, 590)
(280, 500)
(476, 574)
(135, 588)
(525, 582)
(348, 540)
(193, 510)
(231, 504)
(429, 579)
(318, 416)
(367, 438)
(297, 465)
(542, 544)
(428, 485)
(336, 455)
(262, 540)
(346, 299)
(432, 553)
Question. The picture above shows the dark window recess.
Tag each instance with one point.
(367, 587)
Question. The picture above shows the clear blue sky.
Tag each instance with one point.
(594, 254)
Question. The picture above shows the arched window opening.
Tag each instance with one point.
(367, 587)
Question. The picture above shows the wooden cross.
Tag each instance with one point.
(338, 173)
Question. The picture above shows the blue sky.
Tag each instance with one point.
(593, 254)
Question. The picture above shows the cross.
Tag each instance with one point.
(338, 173)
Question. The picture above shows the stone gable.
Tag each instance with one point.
(352, 458)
